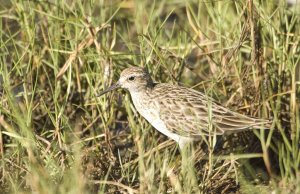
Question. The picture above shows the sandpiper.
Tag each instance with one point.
(181, 113)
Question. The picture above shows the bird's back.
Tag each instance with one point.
(190, 113)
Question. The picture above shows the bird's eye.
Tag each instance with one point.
(131, 78)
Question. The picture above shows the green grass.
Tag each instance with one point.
(57, 137)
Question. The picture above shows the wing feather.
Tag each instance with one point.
(189, 113)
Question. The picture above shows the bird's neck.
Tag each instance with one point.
(140, 92)
(140, 96)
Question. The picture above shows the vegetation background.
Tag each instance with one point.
(56, 55)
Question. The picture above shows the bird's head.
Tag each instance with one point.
(134, 79)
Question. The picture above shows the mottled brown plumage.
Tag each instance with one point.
(181, 113)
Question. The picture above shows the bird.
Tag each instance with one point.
(181, 113)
